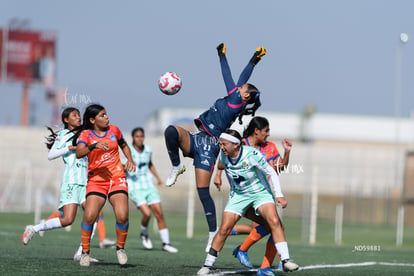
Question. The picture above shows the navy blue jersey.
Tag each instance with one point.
(225, 110)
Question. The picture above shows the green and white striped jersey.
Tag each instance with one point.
(75, 170)
(249, 172)
(142, 178)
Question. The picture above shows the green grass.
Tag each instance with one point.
(52, 254)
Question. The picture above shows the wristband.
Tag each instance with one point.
(92, 146)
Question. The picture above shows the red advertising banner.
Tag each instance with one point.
(30, 56)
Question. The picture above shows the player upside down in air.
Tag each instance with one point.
(202, 146)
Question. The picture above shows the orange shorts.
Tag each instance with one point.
(106, 188)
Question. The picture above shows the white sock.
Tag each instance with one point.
(48, 225)
(282, 249)
(210, 260)
(165, 236)
(95, 225)
(211, 235)
(79, 251)
(144, 230)
(178, 167)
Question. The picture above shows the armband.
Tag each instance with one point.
(92, 146)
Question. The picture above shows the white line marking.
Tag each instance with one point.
(321, 266)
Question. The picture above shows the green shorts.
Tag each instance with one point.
(72, 194)
(144, 196)
(239, 203)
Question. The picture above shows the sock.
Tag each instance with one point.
(233, 232)
(211, 258)
(209, 208)
(95, 226)
(165, 236)
(121, 234)
(86, 232)
(144, 230)
(270, 253)
(48, 225)
(171, 141)
(283, 250)
(79, 251)
(56, 214)
(101, 228)
(256, 234)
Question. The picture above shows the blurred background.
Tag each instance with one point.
(336, 81)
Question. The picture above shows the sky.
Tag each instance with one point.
(340, 56)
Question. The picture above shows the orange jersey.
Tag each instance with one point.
(269, 150)
(103, 165)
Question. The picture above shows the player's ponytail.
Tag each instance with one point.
(50, 140)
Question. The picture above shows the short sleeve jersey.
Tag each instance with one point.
(248, 173)
(142, 178)
(268, 149)
(75, 170)
(103, 165)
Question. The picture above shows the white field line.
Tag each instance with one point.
(321, 266)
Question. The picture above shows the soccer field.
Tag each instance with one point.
(52, 254)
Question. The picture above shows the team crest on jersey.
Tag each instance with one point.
(112, 137)
(245, 165)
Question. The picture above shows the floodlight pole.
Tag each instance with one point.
(25, 105)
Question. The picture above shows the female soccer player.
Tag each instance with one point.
(143, 193)
(203, 146)
(73, 185)
(248, 174)
(255, 135)
(100, 142)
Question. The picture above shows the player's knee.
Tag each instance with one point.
(171, 132)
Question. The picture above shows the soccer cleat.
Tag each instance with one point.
(84, 259)
(258, 54)
(221, 49)
(78, 257)
(146, 242)
(106, 243)
(175, 172)
(42, 233)
(28, 234)
(122, 257)
(205, 270)
(169, 248)
(288, 265)
(267, 271)
(242, 257)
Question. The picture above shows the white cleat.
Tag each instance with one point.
(122, 257)
(28, 234)
(84, 260)
(288, 266)
(146, 242)
(169, 248)
(106, 243)
(78, 257)
(205, 270)
(175, 172)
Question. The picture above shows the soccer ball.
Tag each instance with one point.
(169, 83)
